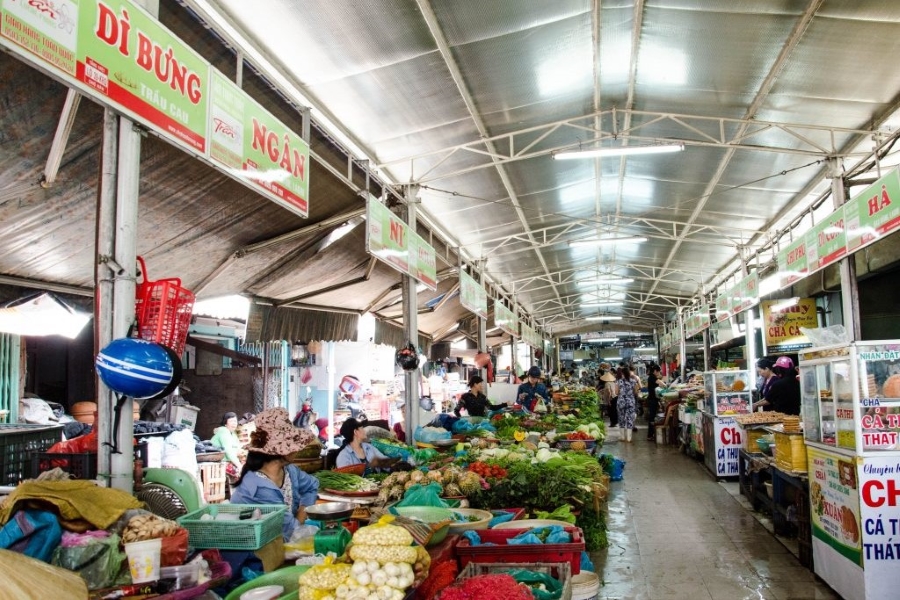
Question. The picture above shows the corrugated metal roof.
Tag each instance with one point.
(471, 100)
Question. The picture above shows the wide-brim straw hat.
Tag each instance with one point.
(607, 377)
(275, 435)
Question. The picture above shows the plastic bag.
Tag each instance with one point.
(326, 576)
(174, 549)
(423, 495)
(98, 562)
(427, 435)
(586, 563)
(500, 516)
(552, 587)
(34, 533)
(553, 534)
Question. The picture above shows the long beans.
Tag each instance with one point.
(346, 482)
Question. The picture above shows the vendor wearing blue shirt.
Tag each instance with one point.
(268, 477)
(529, 391)
(357, 450)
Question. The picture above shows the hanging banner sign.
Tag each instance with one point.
(724, 304)
(505, 319)
(782, 320)
(115, 52)
(391, 241)
(874, 213)
(472, 295)
(748, 289)
(697, 322)
(792, 263)
(424, 261)
(826, 243)
(256, 148)
(530, 336)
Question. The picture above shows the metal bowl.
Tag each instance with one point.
(444, 443)
(330, 511)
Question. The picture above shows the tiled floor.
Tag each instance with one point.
(675, 533)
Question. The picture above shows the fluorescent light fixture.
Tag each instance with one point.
(602, 340)
(421, 287)
(43, 315)
(785, 304)
(605, 318)
(492, 330)
(618, 151)
(606, 279)
(603, 241)
(601, 304)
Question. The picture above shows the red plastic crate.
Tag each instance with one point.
(521, 553)
(163, 309)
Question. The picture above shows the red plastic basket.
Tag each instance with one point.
(163, 309)
(500, 551)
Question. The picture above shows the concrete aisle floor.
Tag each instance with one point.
(675, 533)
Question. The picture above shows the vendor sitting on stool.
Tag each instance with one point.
(268, 477)
(474, 401)
(356, 449)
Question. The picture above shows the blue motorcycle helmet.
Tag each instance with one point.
(139, 369)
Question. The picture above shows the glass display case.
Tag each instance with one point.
(851, 396)
(851, 414)
(726, 393)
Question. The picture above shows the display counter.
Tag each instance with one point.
(726, 393)
(851, 415)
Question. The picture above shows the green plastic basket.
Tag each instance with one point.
(233, 535)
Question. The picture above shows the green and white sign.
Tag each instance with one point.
(472, 295)
(117, 53)
(826, 243)
(697, 322)
(256, 148)
(792, 263)
(531, 337)
(390, 240)
(749, 292)
(874, 213)
(505, 319)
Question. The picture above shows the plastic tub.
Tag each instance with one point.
(466, 525)
(185, 576)
(430, 515)
(143, 560)
(288, 578)
(585, 586)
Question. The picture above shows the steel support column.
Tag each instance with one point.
(849, 286)
(411, 323)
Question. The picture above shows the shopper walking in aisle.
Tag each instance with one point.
(653, 380)
(629, 388)
(608, 393)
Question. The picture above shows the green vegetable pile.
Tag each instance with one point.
(345, 482)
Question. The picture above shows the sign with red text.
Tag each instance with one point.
(879, 484)
(255, 148)
(873, 213)
(505, 319)
(114, 51)
(728, 438)
(748, 288)
(782, 320)
(792, 263)
(697, 322)
(472, 295)
(834, 502)
(390, 240)
(826, 243)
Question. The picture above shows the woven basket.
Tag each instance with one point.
(308, 465)
(352, 469)
(210, 457)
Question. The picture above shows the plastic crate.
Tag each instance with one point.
(562, 572)
(790, 452)
(80, 465)
(213, 479)
(163, 309)
(233, 535)
(500, 551)
(17, 443)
